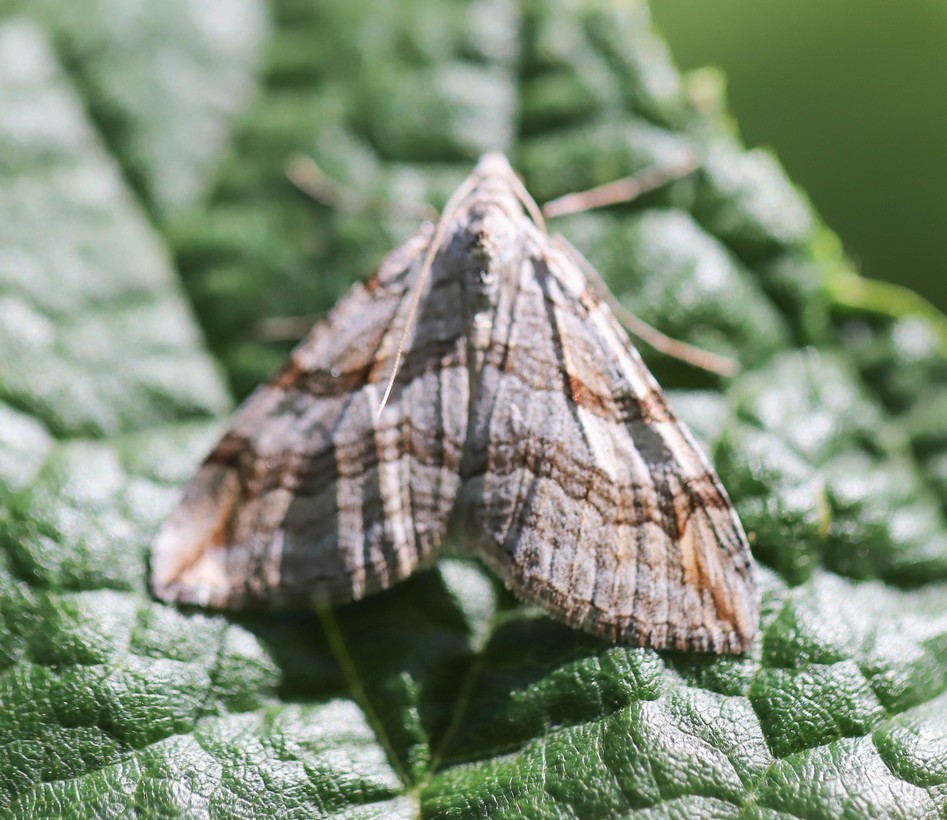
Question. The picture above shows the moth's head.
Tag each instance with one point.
(486, 228)
(491, 213)
(493, 184)
(493, 168)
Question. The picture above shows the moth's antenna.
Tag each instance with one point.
(625, 189)
(534, 211)
(306, 174)
(682, 351)
(675, 348)
(449, 209)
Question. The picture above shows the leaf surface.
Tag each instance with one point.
(125, 307)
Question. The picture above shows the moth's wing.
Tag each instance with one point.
(310, 497)
(592, 498)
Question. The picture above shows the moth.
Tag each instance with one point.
(476, 383)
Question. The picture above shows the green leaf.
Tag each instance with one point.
(85, 281)
(165, 79)
(442, 696)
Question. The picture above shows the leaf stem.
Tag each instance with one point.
(340, 651)
(849, 290)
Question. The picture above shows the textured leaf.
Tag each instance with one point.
(165, 78)
(442, 696)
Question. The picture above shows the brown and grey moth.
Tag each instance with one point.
(513, 407)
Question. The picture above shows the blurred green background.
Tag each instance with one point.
(852, 96)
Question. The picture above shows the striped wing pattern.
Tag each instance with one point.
(592, 498)
(520, 411)
(309, 496)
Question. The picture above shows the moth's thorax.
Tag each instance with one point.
(489, 241)
(484, 249)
